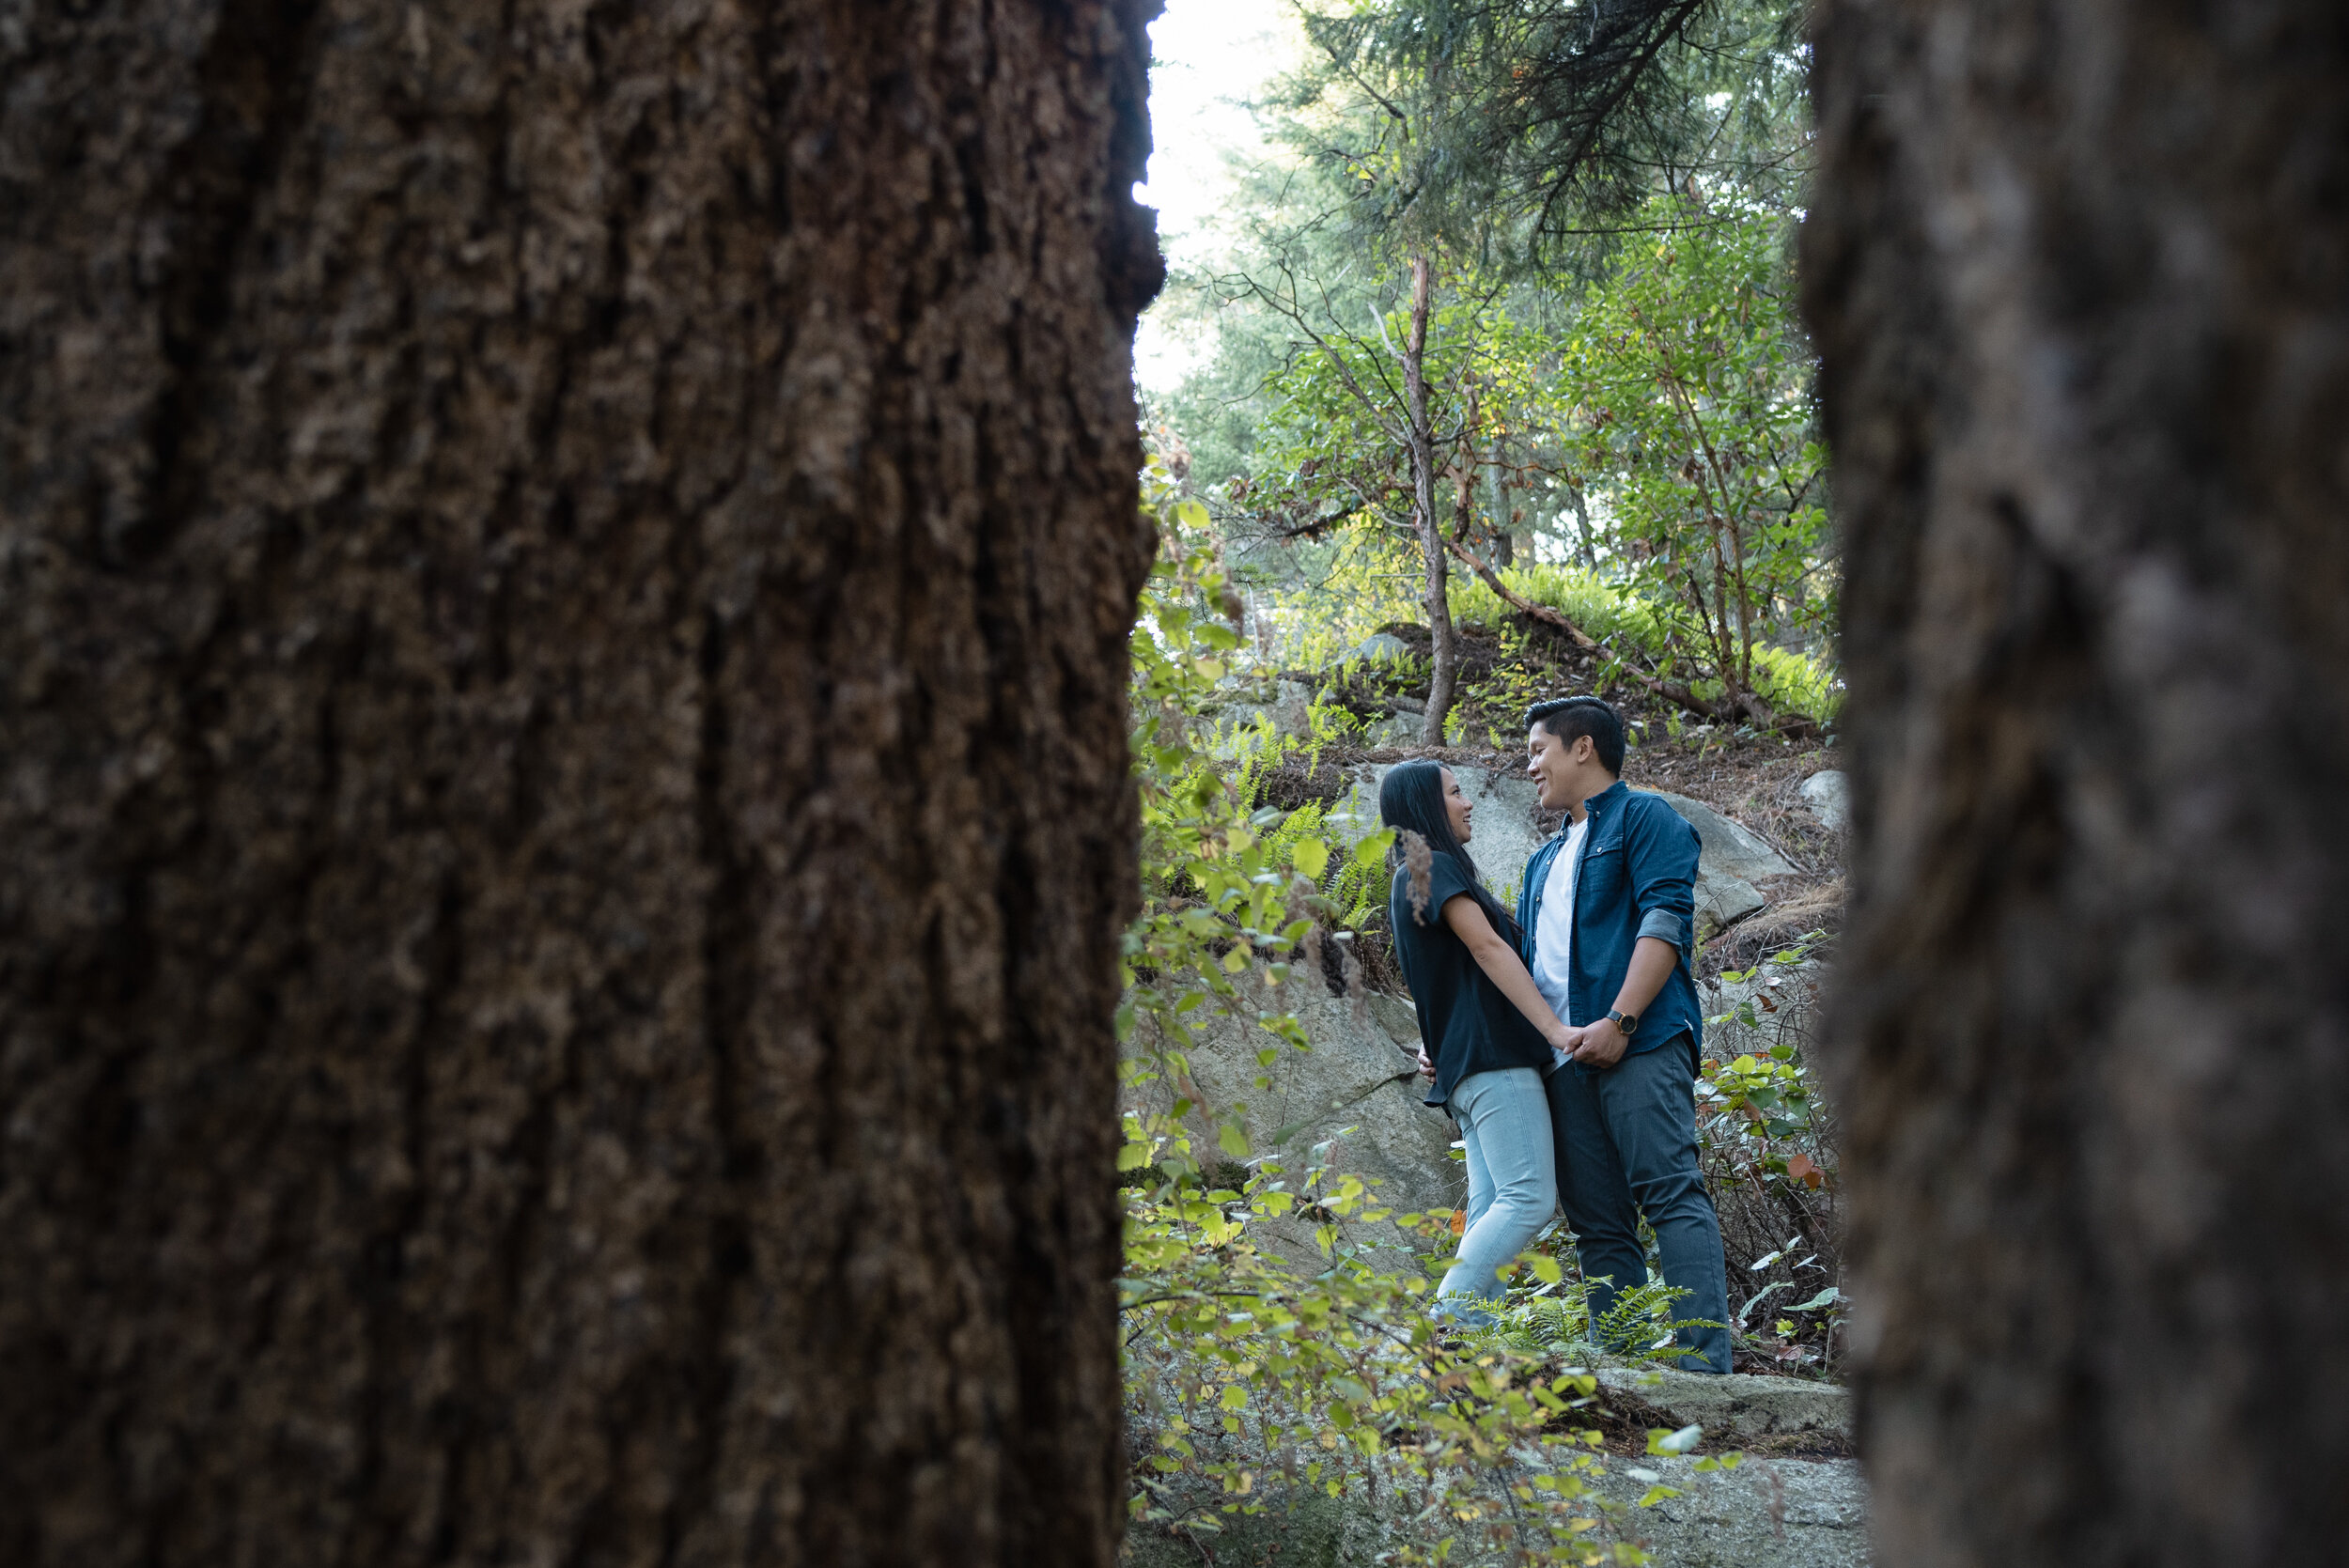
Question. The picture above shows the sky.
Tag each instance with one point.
(1204, 53)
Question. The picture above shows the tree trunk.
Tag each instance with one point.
(1504, 521)
(2079, 277)
(1434, 595)
(567, 576)
(1579, 504)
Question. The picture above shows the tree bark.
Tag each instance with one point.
(2079, 277)
(563, 624)
(1579, 504)
(1435, 594)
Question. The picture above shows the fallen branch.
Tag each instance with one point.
(1751, 707)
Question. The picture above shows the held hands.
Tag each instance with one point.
(1596, 1045)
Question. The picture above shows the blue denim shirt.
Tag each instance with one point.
(1636, 879)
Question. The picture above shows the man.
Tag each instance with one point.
(1608, 913)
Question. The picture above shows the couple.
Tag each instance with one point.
(1564, 1038)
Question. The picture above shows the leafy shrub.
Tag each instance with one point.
(1767, 1143)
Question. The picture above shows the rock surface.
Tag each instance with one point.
(1354, 1077)
(1736, 1408)
(1398, 1017)
(1289, 708)
(1380, 645)
(1828, 793)
(1764, 1513)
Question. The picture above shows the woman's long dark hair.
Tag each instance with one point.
(1410, 800)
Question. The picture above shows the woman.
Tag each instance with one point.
(1485, 1024)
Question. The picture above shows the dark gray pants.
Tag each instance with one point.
(1626, 1146)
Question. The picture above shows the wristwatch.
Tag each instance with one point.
(1625, 1021)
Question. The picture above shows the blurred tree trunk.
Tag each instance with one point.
(2079, 277)
(563, 620)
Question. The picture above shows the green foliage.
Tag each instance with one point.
(1600, 608)
(1220, 899)
(1766, 1143)
(1246, 1369)
(1669, 410)
(1548, 1316)
(1528, 129)
(1691, 387)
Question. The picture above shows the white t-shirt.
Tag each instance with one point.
(1553, 931)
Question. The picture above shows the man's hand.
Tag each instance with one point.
(1426, 1068)
(1597, 1045)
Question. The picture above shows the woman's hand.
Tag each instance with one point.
(1426, 1068)
(1502, 965)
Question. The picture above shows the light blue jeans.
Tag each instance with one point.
(1513, 1183)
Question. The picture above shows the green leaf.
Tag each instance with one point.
(1134, 1157)
(1310, 856)
(1232, 1140)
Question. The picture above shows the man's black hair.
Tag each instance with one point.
(1572, 717)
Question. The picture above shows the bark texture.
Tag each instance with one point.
(563, 593)
(2079, 277)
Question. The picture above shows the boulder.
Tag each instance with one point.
(1736, 1408)
(1398, 1017)
(1355, 1078)
(1730, 848)
(1828, 793)
(1236, 719)
(1764, 1513)
(1381, 645)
